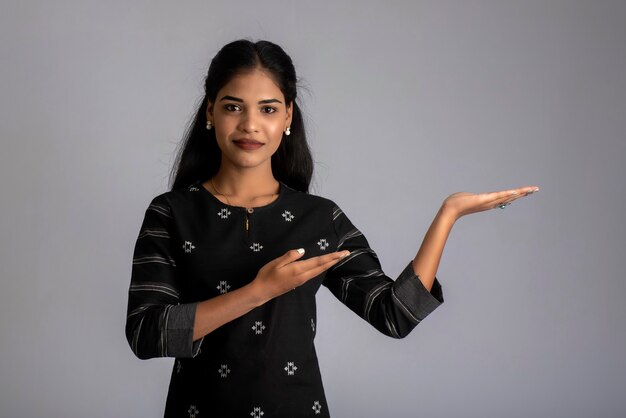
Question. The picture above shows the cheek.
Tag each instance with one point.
(277, 136)
(277, 132)
(222, 132)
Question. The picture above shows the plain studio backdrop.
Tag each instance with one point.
(406, 103)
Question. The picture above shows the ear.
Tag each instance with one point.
(209, 110)
(289, 114)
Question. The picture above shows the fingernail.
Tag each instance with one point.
(345, 253)
(301, 250)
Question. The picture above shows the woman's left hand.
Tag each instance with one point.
(463, 203)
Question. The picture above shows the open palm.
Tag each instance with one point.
(464, 203)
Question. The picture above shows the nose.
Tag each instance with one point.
(248, 122)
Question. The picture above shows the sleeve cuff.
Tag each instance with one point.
(179, 329)
(414, 297)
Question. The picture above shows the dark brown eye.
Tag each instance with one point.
(230, 107)
(270, 108)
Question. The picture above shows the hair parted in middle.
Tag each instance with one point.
(199, 157)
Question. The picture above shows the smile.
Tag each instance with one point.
(248, 144)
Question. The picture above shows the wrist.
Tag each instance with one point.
(255, 293)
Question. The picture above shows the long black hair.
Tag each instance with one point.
(199, 157)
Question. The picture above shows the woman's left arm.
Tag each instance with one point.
(426, 262)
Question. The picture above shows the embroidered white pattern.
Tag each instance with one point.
(224, 213)
(258, 327)
(317, 407)
(224, 370)
(323, 244)
(312, 325)
(256, 247)
(291, 368)
(257, 413)
(178, 366)
(223, 287)
(188, 246)
(288, 216)
(193, 189)
(193, 411)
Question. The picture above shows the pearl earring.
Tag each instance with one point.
(208, 125)
(288, 131)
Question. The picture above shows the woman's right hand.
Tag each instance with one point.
(284, 273)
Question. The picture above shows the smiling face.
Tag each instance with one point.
(249, 117)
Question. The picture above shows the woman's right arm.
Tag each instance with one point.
(157, 325)
(277, 277)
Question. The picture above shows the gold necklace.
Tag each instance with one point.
(220, 193)
(226, 196)
(249, 210)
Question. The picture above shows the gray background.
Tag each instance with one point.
(406, 103)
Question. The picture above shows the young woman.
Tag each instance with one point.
(227, 264)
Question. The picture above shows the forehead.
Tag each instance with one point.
(252, 85)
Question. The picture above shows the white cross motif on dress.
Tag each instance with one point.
(312, 324)
(256, 247)
(193, 411)
(224, 370)
(224, 213)
(257, 413)
(193, 189)
(323, 244)
(223, 287)
(317, 407)
(288, 216)
(188, 246)
(291, 368)
(258, 327)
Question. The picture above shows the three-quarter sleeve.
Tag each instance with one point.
(392, 307)
(157, 325)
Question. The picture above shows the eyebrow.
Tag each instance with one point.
(237, 99)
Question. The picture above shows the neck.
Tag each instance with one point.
(246, 183)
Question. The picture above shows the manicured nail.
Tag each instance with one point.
(301, 250)
(345, 253)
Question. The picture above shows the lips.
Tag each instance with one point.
(248, 144)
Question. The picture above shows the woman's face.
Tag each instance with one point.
(249, 116)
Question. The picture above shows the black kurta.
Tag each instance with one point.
(192, 247)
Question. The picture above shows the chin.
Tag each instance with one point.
(249, 162)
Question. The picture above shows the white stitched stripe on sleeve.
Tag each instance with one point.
(372, 295)
(352, 234)
(156, 232)
(163, 210)
(154, 287)
(154, 259)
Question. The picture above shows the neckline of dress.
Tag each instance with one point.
(281, 191)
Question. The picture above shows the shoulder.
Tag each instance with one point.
(178, 197)
(309, 200)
